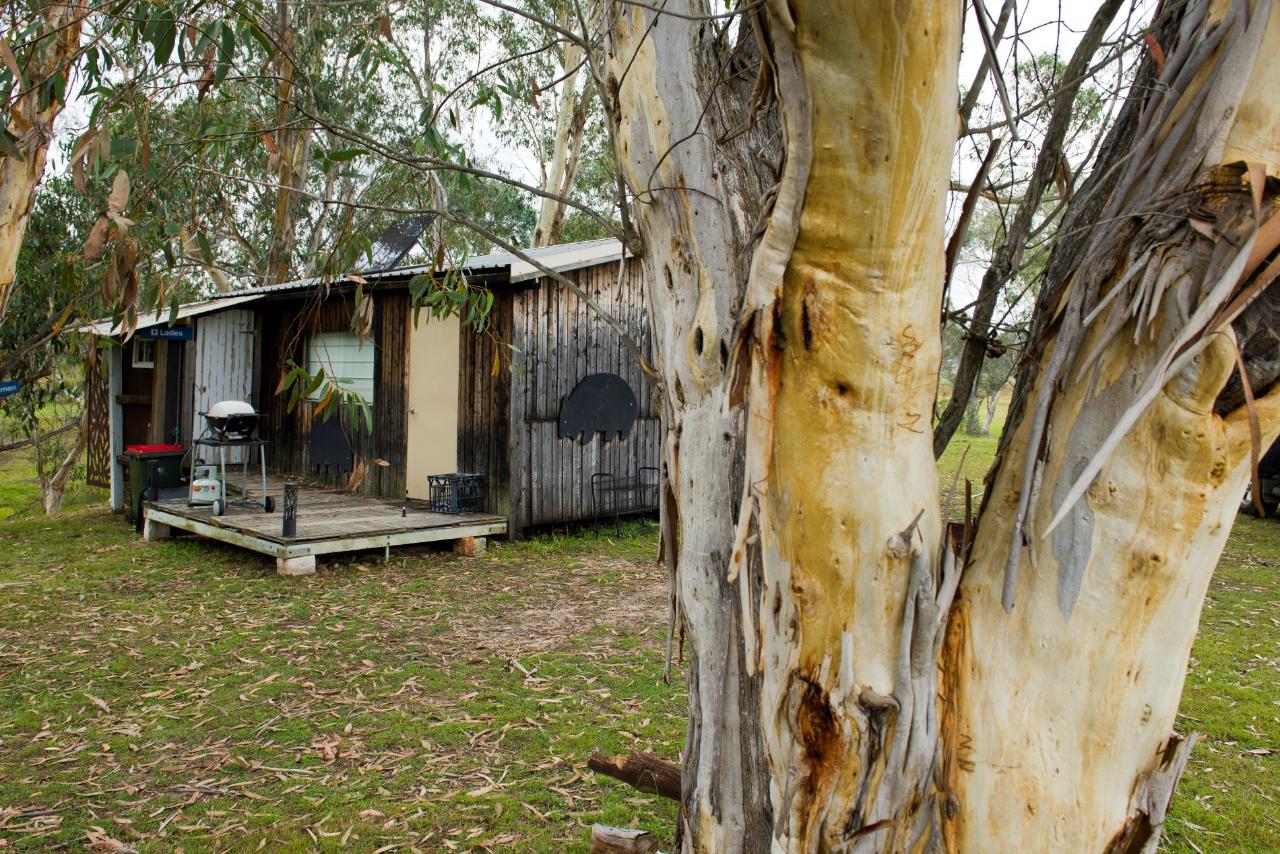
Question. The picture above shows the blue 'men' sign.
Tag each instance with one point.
(168, 333)
(8, 387)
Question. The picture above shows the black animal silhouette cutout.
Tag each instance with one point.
(600, 403)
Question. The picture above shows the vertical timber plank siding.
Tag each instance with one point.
(518, 381)
(539, 357)
(551, 474)
(390, 439)
(588, 281)
(484, 404)
(565, 379)
(558, 340)
(286, 325)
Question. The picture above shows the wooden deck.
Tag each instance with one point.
(328, 523)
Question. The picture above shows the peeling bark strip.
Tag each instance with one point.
(32, 126)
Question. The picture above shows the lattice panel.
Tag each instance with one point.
(97, 402)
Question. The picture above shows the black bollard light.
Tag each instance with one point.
(290, 510)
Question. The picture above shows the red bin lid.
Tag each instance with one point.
(153, 449)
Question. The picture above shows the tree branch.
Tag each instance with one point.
(1009, 255)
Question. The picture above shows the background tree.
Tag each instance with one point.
(38, 50)
(1069, 109)
(41, 352)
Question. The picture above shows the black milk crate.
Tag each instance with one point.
(456, 493)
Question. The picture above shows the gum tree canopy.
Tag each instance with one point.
(862, 676)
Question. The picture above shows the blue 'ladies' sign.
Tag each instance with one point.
(168, 333)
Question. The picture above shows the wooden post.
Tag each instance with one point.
(622, 840)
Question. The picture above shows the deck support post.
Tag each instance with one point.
(471, 546)
(152, 530)
(300, 565)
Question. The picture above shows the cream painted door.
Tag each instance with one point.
(433, 401)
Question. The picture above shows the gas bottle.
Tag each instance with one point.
(205, 486)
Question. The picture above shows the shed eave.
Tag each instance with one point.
(109, 328)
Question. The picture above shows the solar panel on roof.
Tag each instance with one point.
(394, 243)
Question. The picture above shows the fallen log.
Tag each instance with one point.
(640, 770)
(622, 840)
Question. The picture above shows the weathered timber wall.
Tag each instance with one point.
(224, 366)
(484, 403)
(557, 341)
(285, 325)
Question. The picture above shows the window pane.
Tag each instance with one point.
(345, 360)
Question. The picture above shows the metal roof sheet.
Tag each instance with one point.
(192, 309)
(560, 259)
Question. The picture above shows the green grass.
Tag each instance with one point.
(970, 458)
(181, 695)
(19, 486)
(20, 489)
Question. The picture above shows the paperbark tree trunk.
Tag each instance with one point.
(799, 737)
(31, 124)
(697, 205)
(837, 700)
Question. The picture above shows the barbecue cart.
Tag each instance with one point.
(234, 424)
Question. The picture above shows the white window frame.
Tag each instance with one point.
(138, 349)
(333, 351)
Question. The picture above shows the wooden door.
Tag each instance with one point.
(223, 366)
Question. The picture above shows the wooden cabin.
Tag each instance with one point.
(443, 396)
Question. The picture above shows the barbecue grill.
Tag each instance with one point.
(234, 424)
(232, 421)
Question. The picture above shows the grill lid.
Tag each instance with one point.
(226, 408)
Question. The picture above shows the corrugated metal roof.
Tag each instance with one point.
(561, 259)
(191, 309)
(570, 256)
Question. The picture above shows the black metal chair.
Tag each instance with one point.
(610, 492)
